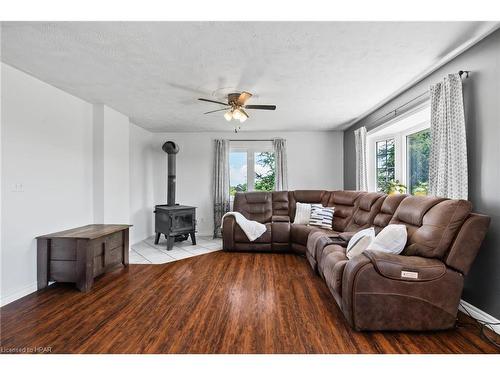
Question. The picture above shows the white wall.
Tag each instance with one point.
(67, 163)
(141, 184)
(314, 162)
(46, 172)
(116, 167)
(111, 166)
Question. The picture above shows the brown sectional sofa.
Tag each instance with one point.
(417, 290)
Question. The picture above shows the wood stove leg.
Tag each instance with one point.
(193, 238)
(157, 238)
(170, 242)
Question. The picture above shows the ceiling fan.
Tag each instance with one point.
(235, 106)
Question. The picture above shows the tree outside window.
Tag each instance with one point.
(385, 163)
(251, 171)
(418, 149)
(265, 171)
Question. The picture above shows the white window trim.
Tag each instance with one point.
(400, 146)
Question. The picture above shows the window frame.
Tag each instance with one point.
(401, 170)
(250, 148)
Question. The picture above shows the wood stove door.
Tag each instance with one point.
(182, 221)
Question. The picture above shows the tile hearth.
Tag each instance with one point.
(146, 252)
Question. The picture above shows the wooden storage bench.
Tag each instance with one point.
(80, 254)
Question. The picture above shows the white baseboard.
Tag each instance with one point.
(19, 293)
(480, 314)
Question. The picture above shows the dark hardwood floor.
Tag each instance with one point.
(215, 303)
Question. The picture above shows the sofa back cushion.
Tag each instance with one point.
(387, 210)
(306, 196)
(280, 203)
(345, 203)
(368, 207)
(432, 224)
(256, 205)
(466, 245)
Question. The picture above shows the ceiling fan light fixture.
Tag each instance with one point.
(237, 114)
(243, 117)
(236, 103)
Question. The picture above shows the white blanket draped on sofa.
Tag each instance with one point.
(252, 229)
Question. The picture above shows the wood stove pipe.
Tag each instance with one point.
(171, 148)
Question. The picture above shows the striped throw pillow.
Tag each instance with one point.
(321, 216)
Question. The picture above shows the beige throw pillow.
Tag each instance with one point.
(391, 239)
(302, 213)
(359, 242)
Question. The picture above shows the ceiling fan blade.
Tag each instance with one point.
(212, 101)
(217, 110)
(244, 96)
(244, 112)
(257, 106)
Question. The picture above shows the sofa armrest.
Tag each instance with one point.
(228, 224)
(346, 236)
(376, 297)
(406, 268)
(280, 219)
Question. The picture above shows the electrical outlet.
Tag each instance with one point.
(18, 188)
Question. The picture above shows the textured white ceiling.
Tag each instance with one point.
(321, 75)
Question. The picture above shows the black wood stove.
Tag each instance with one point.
(175, 221)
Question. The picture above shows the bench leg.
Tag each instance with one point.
(84, 266)
(42, 260)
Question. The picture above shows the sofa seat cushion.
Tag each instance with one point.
(331, 267)
(280, 218)
(316, 241)
(300, 232)
(240, 236)
(338, 252)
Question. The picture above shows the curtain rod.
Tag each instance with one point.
(251, 140)
(395, 111)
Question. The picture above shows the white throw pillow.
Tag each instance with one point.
(302, 213)
(391, 239)
(360, 242)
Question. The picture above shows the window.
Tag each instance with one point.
(385, 163)
(398, 154)
(417, 148)
(264, 171)
(237, 172)
(251, 166)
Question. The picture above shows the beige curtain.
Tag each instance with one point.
(361, 167)
(448, 153)
(221, 183)
(281, 170)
